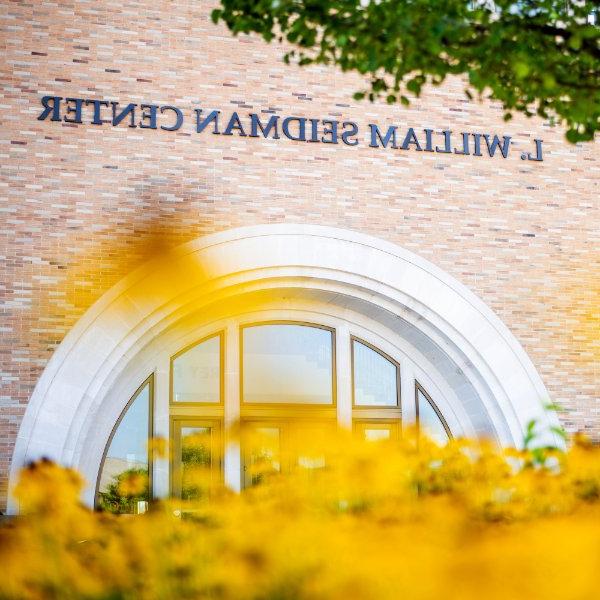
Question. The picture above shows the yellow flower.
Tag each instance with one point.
(342, 518)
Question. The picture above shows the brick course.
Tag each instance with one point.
(82, 205)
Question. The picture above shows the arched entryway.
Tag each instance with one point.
(439, 334)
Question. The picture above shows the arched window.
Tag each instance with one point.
(279, 381)
(429, 418)
(125, 473)
(437, 331)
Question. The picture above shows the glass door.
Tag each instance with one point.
(262, 448)
(271, 447)
(196, 460)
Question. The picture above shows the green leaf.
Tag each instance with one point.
(573, 135)
(548, 81)
(559, 431)
(575, 42)
(521, 69)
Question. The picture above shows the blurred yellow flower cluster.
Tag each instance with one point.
(350, 520)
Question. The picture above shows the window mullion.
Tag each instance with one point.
(407, 394)
(343, 376)
(161, 466)
(231, 455)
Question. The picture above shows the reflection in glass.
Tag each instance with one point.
(196, 462)
(377, 435)
(287, 364)
(429, 421)
(376, 431)
(375, 378)
(264, 456)
(197, 373)
(308, 442)
(123, 485)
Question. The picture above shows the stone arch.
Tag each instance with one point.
(498, 383)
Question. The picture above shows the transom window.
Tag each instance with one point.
(286, 393)
(197, 373)
(287, 363)
(375, 377)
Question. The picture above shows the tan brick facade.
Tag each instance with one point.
(84, 204)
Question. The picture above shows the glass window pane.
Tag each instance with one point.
(429, 421)
(374, 431)
(123, 485)
(375, 378)
(196, 462)
(197, 373)
(376, 435)
(264, 455)
(308, 444)
(287, 364)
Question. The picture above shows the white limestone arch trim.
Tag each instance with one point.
(122, 321)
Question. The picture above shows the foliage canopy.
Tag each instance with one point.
(533, 56)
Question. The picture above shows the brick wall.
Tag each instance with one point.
(82, 204)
